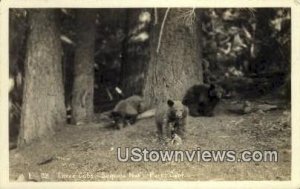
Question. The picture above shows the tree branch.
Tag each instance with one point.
(161, 29)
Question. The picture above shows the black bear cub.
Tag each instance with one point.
(202, 99)
(126, 111)
(171, 120)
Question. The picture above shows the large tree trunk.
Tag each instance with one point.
(83, 86)
(135, 54)
(43, 109)
(177, 64)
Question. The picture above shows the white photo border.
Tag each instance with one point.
(294, 183)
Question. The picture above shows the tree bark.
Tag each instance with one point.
(177, 65)
(43, 110)
(83, 86)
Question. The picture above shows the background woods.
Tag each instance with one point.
(66, 64)
(72, 70)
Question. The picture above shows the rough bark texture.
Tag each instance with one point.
(43, 109)
(83, 86)
(134, 57)
(177, 65)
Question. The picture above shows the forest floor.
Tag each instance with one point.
(89, 152)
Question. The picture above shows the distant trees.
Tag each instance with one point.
(273, 38)
(135, 51)
(83, 86)
(17, 41)
(43, 110)
(158, 53)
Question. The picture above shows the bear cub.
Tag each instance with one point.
(202, 99)
(126, 111)
(171, 120)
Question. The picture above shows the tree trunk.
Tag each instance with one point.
(17, 38)
(83, 86)
(43, 110)
(177, 64)
(134, 55)
(265, 43)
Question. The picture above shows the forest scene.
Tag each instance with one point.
(85, 83)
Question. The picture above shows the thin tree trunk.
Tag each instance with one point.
(43, 110)
(17, 38)
(177, 64)
(266, 44)
(83, 86)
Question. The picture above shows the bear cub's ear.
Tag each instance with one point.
(170, 103)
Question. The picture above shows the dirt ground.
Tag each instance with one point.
(89, 152)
